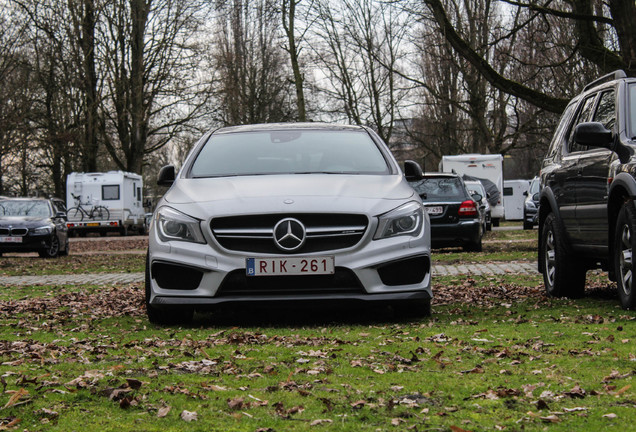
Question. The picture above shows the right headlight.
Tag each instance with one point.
(530, 205)
(174, 225)
(404, 220)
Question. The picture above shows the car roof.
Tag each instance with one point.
(23, 199)
(265, 127)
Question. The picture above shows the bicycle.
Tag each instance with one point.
(96, 212)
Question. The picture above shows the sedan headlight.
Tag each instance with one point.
(404, 220)
(174, 225)
(530, 205)
(43, 230)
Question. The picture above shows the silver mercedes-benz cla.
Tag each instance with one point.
(300, 212)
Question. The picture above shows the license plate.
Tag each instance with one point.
(435, 210)
(92, 224)
(279, 266)
(10, 239)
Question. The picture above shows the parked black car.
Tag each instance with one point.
(531, 205)
(587, 216)
(454, 214)
(33, 225)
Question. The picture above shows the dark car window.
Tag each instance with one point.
(25, 208)
(583, 116)
(606, 112)
(289, 152)
(437, 188)
(556, 144)
(632, 110)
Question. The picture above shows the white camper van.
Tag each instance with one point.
(103, 202)
(514, 198)
(488, 168)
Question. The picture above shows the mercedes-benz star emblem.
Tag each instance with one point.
(289, 234)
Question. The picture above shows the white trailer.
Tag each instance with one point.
(121, 193)
(487, 167)
(514, 198)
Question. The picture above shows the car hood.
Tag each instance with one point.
(370, 194)
(23, 221)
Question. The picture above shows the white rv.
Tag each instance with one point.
(103, 202)
(487, 168)
(514, 198)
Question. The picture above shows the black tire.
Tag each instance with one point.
(52, 249)
(164, 316)
(495, 222)
(75, 213)
(123, 230)
(100, 213)
(527, 225)
(624, 245)
(65, 251)
(473, 247)
(563, 276)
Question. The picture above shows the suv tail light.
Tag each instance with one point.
(468, 208)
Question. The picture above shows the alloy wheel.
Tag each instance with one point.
(626, 265)
(550, 262)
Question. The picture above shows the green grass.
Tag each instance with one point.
(21, 265)
(496, 355)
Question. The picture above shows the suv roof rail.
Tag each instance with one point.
(617, 74)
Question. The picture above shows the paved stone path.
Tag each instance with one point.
(494, 268)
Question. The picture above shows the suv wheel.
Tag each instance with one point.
(562, 275)
(624, 245)
(174, 315)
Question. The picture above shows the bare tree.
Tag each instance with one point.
(152, 86)
(605, 36)
(288, 13)
(254, 84)
(360, 45)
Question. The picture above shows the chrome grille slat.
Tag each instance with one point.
(255, 234)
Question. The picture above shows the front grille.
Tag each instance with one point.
(343, 281)
(13, 231)
(324, 232)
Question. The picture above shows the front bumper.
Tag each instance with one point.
(204, 275)
(531, 216)
(30, 243)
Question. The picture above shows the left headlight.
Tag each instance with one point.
(404, 220)
(41, 230)
(530, 205)
(174, 225)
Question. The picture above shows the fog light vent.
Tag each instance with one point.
(405, 272)
(176, 277)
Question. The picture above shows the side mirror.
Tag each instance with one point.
(166, 176)
(413, 171)
(477, 197)
(60, 215)
(535, 197)
(525, 193)
(593, 134)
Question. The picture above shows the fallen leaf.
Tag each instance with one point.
(319, 422)
(163, 411)
(189, 416)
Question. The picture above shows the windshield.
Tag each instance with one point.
(24, 208)
(534, 186)
(440, 188)
(289, 152)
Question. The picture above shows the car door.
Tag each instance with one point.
(566, 177)
(592, 194)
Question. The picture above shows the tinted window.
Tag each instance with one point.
(289, 152)
(605, 113)
(583, 116)
(110, 192)
(557, 139)
(632, 110)
(440, 188)
(508, 191)
(534, 186)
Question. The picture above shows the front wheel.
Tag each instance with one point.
(624, 245)
(52, 248)
(562, 274)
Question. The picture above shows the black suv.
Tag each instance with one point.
(587, 216)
